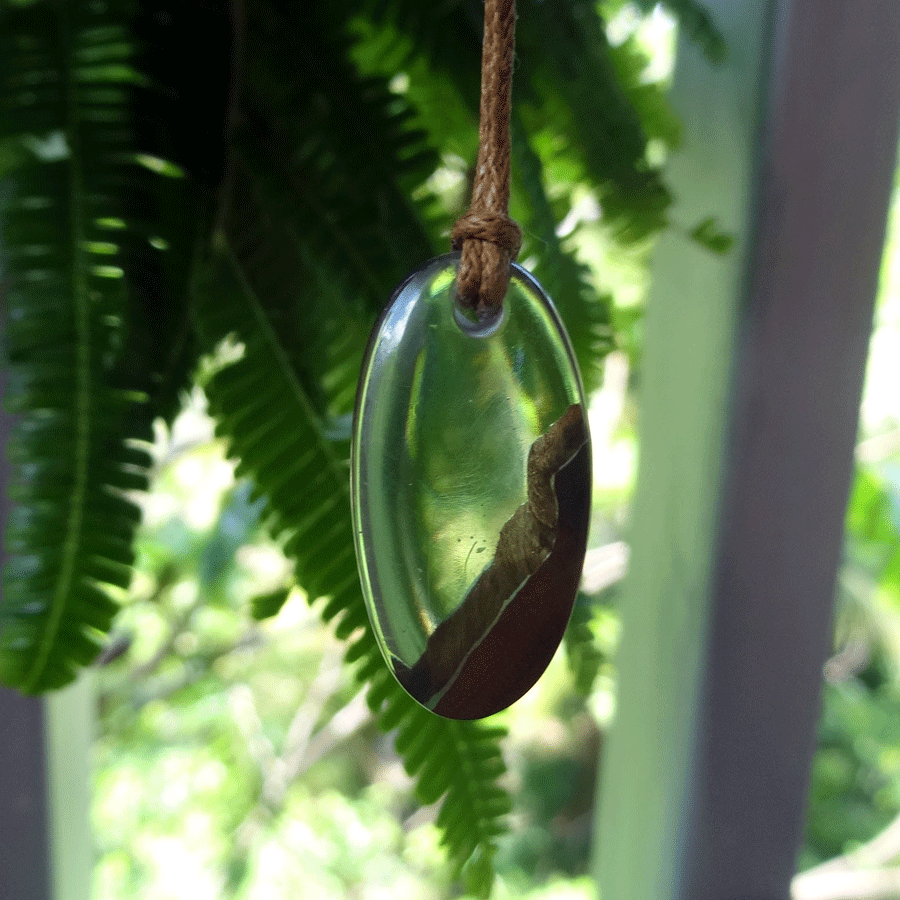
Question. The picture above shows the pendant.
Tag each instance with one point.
(471, 490)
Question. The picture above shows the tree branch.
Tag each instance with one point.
(876, 884)
(855, 875)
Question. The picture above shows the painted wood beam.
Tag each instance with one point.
(751, 386)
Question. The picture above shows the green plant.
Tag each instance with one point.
(227, 199)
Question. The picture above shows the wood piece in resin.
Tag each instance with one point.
(471, 491)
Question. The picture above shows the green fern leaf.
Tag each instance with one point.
(587, 315)
(334, 151)
(446, 43)
(575, 84)
(630, 61)
(569, 76)
(90, 312)
(63, 82)
(274, 427)
(322, 230)
(265, 606)
(475, 806)
(698, 24)
(584, 655)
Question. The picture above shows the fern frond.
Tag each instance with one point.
(183, 56)
(321, 230)
(697, 23)
(566, 74)
(64, 90)
(460, 761)
(630, 62)
(335, 150)
(584, 655)
(575, 85)
(89, 315)
(587, 315)
(280, 437)
(447, 108)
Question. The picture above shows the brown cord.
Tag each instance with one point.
(488, 238)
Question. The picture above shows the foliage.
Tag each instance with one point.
(86, 361)
(855, 780)
(227, 199)
(239, 759)
(856, 774)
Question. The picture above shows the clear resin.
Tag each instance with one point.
(471, 491)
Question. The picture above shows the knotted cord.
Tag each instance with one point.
(488, 238)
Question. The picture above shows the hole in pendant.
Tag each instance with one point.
(470, 323)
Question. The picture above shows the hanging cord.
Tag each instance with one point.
(488, 237)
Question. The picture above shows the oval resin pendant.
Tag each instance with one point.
(471, 478)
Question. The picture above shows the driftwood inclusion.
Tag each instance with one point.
(471, 478)
(514, 604)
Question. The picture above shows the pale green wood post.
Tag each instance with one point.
(685, 377)
(750, 388)
(69, 717)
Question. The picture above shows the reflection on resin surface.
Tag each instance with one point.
(471, 492)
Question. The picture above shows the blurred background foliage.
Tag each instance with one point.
(238, 758)
(224, 281)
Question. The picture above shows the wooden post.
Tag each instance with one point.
(751, 384)
(24, 845)
(69, 717)
(45, 837)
